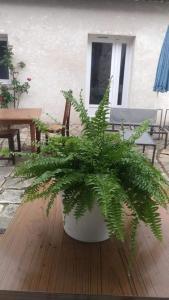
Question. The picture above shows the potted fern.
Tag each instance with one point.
(100, 176)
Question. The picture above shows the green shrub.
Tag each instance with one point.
(12, 92)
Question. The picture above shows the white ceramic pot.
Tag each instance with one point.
(91, 227)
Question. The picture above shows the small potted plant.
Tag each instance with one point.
(100, 176)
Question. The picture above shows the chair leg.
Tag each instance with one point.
(67, 130)
(46, 138)
(38, 139)
(19, 142)
(13, 158)
(11, 148)
(11, 144)
(151, 130)
(166, 139)
(153, 156)
(63, 131)
(38, 136)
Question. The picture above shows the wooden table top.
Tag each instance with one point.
(10, 295)
(36, 255)
(19, 114)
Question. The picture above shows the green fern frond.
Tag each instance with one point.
(42, 127)
(39, 165)
(80, 108)
(111, 199)
(99, 121)
(137, 133)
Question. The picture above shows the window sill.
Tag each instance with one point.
(5, 81)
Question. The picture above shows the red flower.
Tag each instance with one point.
(29, 79)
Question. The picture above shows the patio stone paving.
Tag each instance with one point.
(11, 191)
(3, 163)
(4, 222)
(16, 183)
(11, 196)
(10, 210)
(5, 172)
(2, 180)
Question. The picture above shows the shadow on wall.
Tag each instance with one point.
(129, 5)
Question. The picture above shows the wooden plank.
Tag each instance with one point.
(24, 116)
(42, 257)
(115, 279)
(13, 295)
(152, 262)
(36, 255)
(19, 114)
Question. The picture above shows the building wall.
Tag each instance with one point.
(51, 38)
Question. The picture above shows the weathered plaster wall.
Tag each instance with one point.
(51, 37)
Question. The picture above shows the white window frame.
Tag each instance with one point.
(115, 65)
(4, 37)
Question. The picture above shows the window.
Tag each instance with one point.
(100, 70)
(4, 72)
(108, 57)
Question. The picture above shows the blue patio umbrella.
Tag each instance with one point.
(162, 74)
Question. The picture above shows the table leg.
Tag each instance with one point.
(12, 148)
(33, 137)
(166, 139)
(38, 139)
(19, 141)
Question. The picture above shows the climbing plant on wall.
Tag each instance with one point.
(11, 93)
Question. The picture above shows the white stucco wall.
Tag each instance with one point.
(51, 38)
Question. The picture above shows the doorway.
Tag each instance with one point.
(108, 57)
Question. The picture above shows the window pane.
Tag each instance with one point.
(4, 73)
(121, 79)
(100, 70)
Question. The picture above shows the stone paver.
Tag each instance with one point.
(6, 171)
(1, 207)
(9, 210)
(11, 196)
(4, 163)
(16, 183)
(4, 223)
(2, 180)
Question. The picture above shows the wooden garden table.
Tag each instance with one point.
(14, 295)
(21, 116)
(36, 255)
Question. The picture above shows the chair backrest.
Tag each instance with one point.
(166, 119)
(133, 115)
(66, 119)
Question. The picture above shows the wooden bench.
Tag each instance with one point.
(133, 117)
(36, 255)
